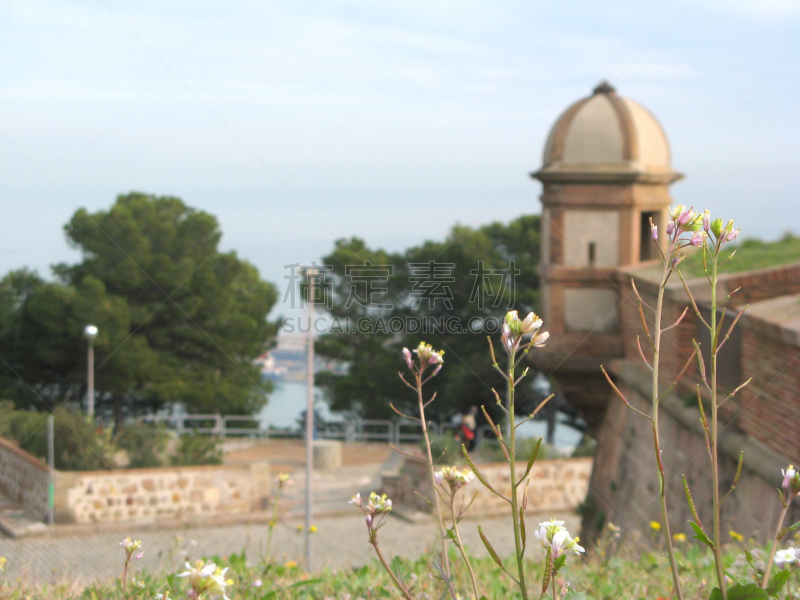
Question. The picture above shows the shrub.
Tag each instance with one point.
(145, 444)
(197, 449)
(79, 444)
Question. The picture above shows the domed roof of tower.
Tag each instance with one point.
(606, 138)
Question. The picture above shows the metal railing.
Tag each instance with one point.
(352, 430)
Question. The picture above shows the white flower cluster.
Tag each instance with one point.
(375, 504)
(553, 535)
(130, 545)
(207, 578)
(514, 328)
(789, 556)
(453, 477)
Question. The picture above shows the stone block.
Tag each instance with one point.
(327, 454)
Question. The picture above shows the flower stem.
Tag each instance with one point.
(772, 550)
(714, 455)
(512, 467)
(271, 524)
(656, 438)
(397, 582)
(442, 538)
(461, 548)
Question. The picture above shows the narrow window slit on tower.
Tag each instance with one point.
(591, 254)
(647, 246)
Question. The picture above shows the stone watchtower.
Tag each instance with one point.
(606, 171)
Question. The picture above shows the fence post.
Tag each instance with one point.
(51, 484)
(220, 427)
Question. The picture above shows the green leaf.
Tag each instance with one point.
(751, 591)
(700, 534)
(789, 529)
(273, 594)
(777, 581)
(399, 568)
(559, 562)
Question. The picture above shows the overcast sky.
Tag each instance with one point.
(298, 123)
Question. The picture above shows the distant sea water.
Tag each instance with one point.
(289, 398)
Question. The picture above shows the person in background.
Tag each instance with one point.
(468, 427)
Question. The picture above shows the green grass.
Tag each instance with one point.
(630, 574)
(751, 254)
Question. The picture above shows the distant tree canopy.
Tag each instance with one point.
(466, 259)
(178, 320)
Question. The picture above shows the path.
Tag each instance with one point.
(339, 542)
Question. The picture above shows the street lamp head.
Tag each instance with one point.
(90, 332)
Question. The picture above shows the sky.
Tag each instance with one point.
(300, 123)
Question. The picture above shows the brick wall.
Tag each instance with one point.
(765, 283)
(770, 405)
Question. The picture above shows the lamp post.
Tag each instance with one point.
(310, 275)
(90, 332)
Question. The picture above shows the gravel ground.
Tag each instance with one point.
(340, 542)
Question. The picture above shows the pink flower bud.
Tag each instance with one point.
(706, 221)
(732, 235)
(368, 519)
(138, 556)
(686, 217)
(697, 238)
(654, 230)
(407, 356)
(670, 227)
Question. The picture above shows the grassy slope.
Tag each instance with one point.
(751, 254)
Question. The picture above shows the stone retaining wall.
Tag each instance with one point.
(556, 485)
(133, 494)
(145, 494)
(23, 478)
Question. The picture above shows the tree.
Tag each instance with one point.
(466, 258)
(179, 321)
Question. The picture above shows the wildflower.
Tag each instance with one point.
(670, 227)
(552, 534)
(788, 474)
(218, 583)
(164, 596)
(355, 500)
(453, 477)
(312, 529)
(706, 221)
(3, 562)
(654, 231)
(195, 575)
(679, 537)
(736, 536)
(378, 504)
(655, 525)
(257, 583)
(563, 542)
(130, 545)
(283, 480)
(528, 325)
(407, 356)
(539, 339)
(299, 528)
(290, 564)
(427, 355)
(697, 238)
(787, 557)
(547, 531)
